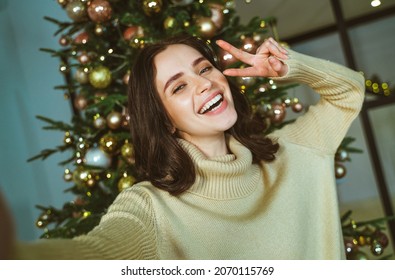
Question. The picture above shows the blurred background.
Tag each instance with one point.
(28, 78)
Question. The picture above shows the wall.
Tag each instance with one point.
(27, 78)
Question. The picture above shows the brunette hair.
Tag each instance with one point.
(159, 158)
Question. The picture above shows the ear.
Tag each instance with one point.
(173, 130)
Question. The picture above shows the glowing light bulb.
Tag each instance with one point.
(375, 3)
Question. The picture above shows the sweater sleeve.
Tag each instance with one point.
(341, 90)
(127, 231)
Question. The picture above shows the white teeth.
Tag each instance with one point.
(207, 106)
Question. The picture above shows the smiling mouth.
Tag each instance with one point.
(212, 105)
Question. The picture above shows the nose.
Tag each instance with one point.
(203, 84)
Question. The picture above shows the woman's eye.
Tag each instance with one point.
(205, 69)
(178, 88)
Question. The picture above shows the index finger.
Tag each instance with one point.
(237, 53)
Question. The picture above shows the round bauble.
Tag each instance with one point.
(133, 32)
(206, 27)
(278, 113)
(98, 158)
(80, 102)
(109, 144)
(99, 11)
(126, 182)
(81, 38)
(99, 122)
(76, 10)
(152, 7)
(100, 77)
(225, 58)
(81, 76)
(340, 170)
(114, 120)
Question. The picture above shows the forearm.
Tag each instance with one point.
(342, 93)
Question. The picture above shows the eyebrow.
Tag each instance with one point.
(178, 75)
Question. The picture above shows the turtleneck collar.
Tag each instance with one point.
(229, 176)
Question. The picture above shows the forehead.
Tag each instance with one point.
(175, 55)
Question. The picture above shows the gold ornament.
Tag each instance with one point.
(100, 77)
(109, 143)
(152, 7)
(126, 182)
(83, 178)
(114, 120)
(206, 27)
(99, 11)
(76, 11)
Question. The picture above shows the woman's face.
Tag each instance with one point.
(196, 95)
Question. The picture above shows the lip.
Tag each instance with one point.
(208, 98)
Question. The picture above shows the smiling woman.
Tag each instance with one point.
(190, 99)
(212, 187)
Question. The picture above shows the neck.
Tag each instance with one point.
(211, 146)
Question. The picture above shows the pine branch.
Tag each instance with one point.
(55, 125)
(48, 152)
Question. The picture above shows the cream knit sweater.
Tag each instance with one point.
(286, 209)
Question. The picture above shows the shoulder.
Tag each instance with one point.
(135, 200)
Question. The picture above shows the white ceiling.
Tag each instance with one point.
(295, 17)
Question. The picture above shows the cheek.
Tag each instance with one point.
(178, 108)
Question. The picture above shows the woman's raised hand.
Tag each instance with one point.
(266, 62)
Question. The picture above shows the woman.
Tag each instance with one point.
(212, 189)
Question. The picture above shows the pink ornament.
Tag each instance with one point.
(99, 11)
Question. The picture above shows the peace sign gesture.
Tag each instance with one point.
(266, 62)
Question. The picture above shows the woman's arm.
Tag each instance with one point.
(325, 124)
(341, 90)
(127, 231)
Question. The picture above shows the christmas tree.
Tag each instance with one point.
(97, 47)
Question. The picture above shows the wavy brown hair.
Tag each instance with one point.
(159, 157)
